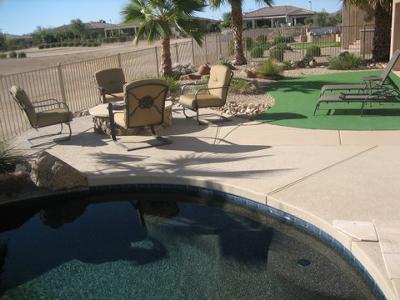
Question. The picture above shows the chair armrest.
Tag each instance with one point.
(48, 103)
(372, 78)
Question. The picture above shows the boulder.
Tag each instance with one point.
(248, 73)
(54, 174)
(204, 70)
(312, 63)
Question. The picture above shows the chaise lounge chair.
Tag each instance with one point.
(369, 82)
(43, 113)
(213, 95)
(110, 83)
(144, 107)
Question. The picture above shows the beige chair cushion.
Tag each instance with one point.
(53, 116)
(203, 100)
(220, 76)
(113, 97)
(25, 103)
(112, 80)
(119, 119)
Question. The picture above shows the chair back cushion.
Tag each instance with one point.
(220, 76)
(112, 80)
(23, 101)
(145, 102)
(389, 67)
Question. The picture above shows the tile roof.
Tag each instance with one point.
(286, 10)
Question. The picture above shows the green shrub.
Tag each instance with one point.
(12, 54)
(70, 44)
(261, 39)
(52, 45)
(41, 46)
(242, 86)
(96, 44)
(346, 62)
(8, 159)
(249, 43)
(77, 43)
(3, 55)
(283, 39)
(173, 83)
(313, 51)
(21, 55)
(47, 46)
(283, 46)
(227, 62)
(57, 45)
(270, 69)
(277, 54)
(257, 52)
(64, 44)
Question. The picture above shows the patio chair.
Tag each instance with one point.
(369, 84)
(43, 113)
(361, 98)
(213, 95)
(144, 107)
(110, 83)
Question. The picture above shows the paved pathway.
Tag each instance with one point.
(327, 178)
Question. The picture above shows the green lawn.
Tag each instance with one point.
(295, 100)
(299, 46)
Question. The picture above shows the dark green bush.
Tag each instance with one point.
(283, 39)
(346, 62)
(57, 45)
(3, 55)
(41, 46)
(261, 39)
(122, 39)
(52, 45)
(21, 55)
(173, 83)
(283, 46)
(77, 43)
(277, 54)
(257, 52)
(249, 43)
(64, 44)
(313, 51)
(47, 46)
(12, 54)
(9, 159)
(270, 69)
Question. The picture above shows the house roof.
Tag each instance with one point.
(275, 11)
(99, 25)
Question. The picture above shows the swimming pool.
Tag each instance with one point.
(164, 244)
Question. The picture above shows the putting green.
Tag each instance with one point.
(295, 100)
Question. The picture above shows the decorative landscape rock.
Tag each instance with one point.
(204, 70)
(248, 73)
(54, 174)
(193, 76)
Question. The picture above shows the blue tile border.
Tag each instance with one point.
(260, 208)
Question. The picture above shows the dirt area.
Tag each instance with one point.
(39, 59)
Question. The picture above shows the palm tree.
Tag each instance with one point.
(160, 19)
(383, 22)
(237, 24)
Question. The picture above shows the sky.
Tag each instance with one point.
(24, 16)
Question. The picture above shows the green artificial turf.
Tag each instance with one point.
(295, 100)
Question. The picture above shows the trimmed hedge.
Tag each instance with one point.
(313, 51)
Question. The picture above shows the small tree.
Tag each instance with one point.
(160, 19)
(237, 25)
(78, 27)
(226, 20)
(383, 22)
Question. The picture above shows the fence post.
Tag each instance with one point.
(220, 45)
(119, 60)
(177, 53)
(193, 52)
(157, 63)
(216, 47)
(363, 42)
(61, 80)
(205, 45)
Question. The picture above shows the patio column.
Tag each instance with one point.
(253, 24)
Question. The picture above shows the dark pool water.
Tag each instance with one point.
(163, 246)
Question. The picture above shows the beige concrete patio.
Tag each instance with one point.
(323, 177)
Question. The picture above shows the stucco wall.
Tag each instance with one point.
(396, 30)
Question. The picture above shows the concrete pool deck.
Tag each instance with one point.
(324, 177)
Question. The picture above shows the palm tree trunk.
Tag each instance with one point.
(237, 27)
(382, 36)
(166, 62)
